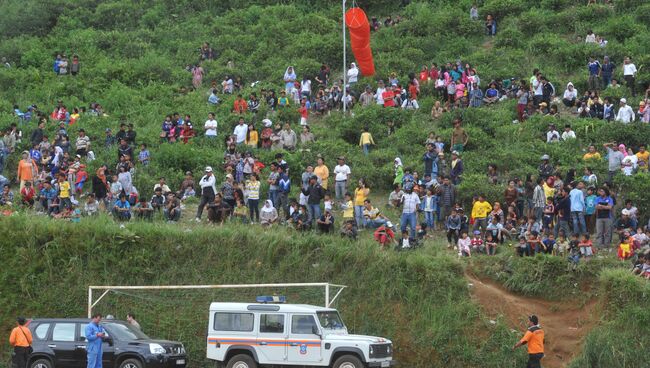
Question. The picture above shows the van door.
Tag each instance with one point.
(272, 338)
(303, 344)
(63, 344)
(229, 329)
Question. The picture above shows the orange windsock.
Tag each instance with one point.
(357, 22)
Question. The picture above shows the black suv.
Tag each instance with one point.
(61, 343)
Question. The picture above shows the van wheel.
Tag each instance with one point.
(131, 363)
(348, 361)
(41, 363)
(241, 361)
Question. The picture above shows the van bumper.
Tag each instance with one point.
(391, 363)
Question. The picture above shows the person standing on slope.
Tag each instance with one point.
(534, 337)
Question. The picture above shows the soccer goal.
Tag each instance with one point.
(331, 291)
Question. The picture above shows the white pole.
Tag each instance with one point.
(345, 64)
(327, 296)
(90, 302)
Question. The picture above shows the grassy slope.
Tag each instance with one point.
(419, 300)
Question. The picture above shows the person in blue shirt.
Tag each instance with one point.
(284, 187)
(95, 335)
(594, 74)
(578, 207)
(491, 94)
(47, 197)
(122, 208)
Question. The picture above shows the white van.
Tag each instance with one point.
(244, 335)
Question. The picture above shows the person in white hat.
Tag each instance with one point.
(208, 191)
(625, 113)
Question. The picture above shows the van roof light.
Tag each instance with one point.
(271, 299)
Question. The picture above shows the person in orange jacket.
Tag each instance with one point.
(21, 340)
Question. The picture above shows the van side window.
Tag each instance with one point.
(272, 323)
(303, 324)
(64, 332)
(233, 321)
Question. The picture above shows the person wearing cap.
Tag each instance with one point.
(534, 339)
(624, 225)
(21, 340)
(625, 113)
(342, 174)
(208, 191)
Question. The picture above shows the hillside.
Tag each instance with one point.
(133, 58)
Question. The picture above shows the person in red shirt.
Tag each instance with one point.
(413, 91)
(27, 194)
(389, 97)
(424, 74)
(240, 106)
(304, 112)
(433, 72)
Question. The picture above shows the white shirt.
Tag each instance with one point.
(552, 136)
(305, 86)
(240, 132)
(342, 172)
(210, 128)
(208, 181)
(568, 135)
(590, 38)
(410, 202)
(629, 69)
(352, 75)
(625, 114)
(378, 96)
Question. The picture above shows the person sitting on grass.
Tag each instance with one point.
(349, 230)
(268, 214)
(122, 209)
(561, 246)
(384, 235)
(240, 213)
(27, 195)
(218, 210)
(405, 242)
(574, 252)
(326, 222)
(464, 245)
(625, 249)
(490, 245)
(586, 247)
(172, 211)
(491, 94)
(522, 247)
(533, 243)
(643, 269)
(548, 244)
(143, 210)
(477, 243)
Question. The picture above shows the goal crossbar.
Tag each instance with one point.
(106, 289)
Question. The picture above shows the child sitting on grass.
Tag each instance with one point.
(477, 242)
(522, 247)
(464, 245)
(548, 244)
(241, 212)
(586, 247)
(562, 246)
(643, 268)
(490, 245)
(534, 246)
(625, 249)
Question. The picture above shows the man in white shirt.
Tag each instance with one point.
(210, 126)
(410, 204)
(208, 191)
(568, 133)
(629, 73)
(552, 135)
(379, 93)
(240, 131)
(342, 175)
(625, 113)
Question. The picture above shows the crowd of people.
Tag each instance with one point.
(552, 214)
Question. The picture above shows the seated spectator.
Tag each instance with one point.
(7, 196)
(385, 235)
(326, 222)
(349, 230)
(395, 197)
(172, 211)
(143, 210)
(122, 208)
(570, 95)
(213, 99)
(27, 195)
(240, 105)
(268, 214)
(491, 94)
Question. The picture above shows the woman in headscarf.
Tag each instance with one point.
(399, 171)
(570, 95)
(289, 80)
(622, 149)
(629, 163)
(268, 214)
(353, 73)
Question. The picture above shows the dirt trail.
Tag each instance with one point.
(565, 324)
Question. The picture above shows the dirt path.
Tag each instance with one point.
(565, 324)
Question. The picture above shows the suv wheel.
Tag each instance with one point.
(131, 363)
(348, 361)
(241, 361)
(41, 363)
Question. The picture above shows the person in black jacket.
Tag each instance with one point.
(316, 193)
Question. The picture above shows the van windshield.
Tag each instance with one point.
(330, 320)
(124, 332)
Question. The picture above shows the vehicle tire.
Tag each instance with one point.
(41, 363)
(241, 361)
(348, 361)
(131, 363)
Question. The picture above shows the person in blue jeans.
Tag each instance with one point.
(578, 207)
(95, 335)
(410, 202)
(429, 206)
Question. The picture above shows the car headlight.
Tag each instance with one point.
(371, 350)
(156, 349)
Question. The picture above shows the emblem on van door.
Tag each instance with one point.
(303, 349)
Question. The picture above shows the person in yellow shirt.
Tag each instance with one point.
(534, 339)
(64, 192)
(480, 211)
(21, 340)
(360, 196)
(366, 141)
(642, 158)
(348, 209)
(252, 137)
(549, 191)
(322, 172)
(591, 154)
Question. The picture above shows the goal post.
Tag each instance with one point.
(329, 289)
